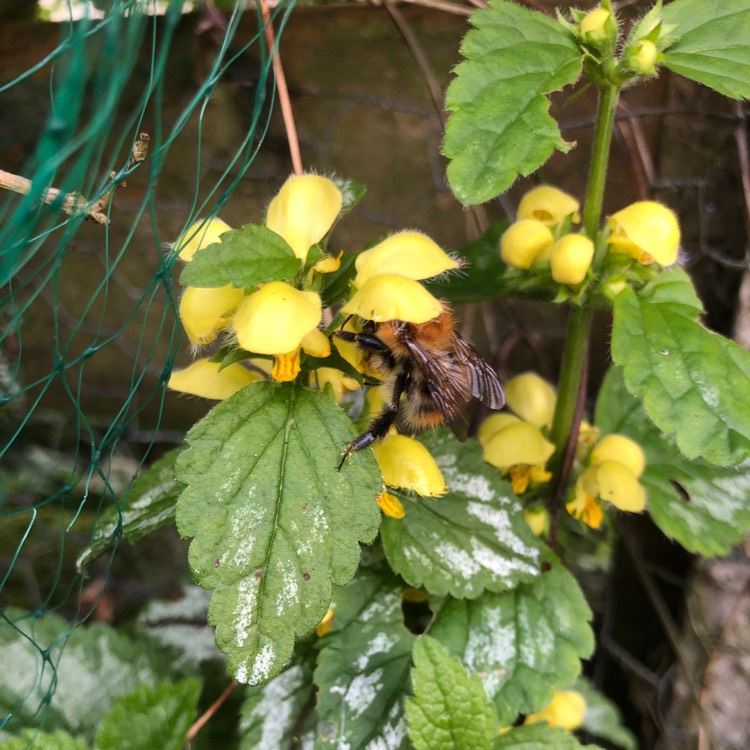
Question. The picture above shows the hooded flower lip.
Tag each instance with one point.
(276, 318)
(622, 449)
(549, 205)
(200, 234)
(205, 312)
(570, 258)
(407, 464)
(525, 242)
(410, 254)
(518, 443)
(392, 297)
(493, 424)
(647, 231)
(615, 483)
(532, 398)
(304, 210)
(209, 380)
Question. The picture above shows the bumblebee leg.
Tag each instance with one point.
(380, 425)
(367, 341)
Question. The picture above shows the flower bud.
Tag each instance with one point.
(548, 205)
(571, 258)
(647, 231)
(641, 59)
(525, 242)
(566, 709)
(594, 21)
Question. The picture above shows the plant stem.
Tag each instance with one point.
(565, 424)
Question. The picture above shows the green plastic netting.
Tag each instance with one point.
(85, 302)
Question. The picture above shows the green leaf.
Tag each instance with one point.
(603, 718)
(694, 383)
(44, 741)
(703, 507)
(149, 505)
(524, 643)
(500, 125)
(538, 736)
(273, 524)
(151, 717)
(713, 44)
(351, 193)
(86, 669)
(336, 284)
(449, 707)
(270, 715)
(471, 539)
(363, 668)
(244, 258)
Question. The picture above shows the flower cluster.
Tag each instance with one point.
(541, 238)
(615, 464)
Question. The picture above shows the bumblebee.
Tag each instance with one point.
(434, 369)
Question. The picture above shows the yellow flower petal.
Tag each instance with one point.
(571, 258)
(304, 210)
(338, 382)
(204, 378)
(286, 367)
(537, 519)
(548, 205)
(585, 507)
(525, 242)
(518, 444)
(619, 486)
(204, 311)
(198, 235)
(621, 449)
(329, 264)
(326, 624)
(566, 709)
(391, 297)
(494, 424)
(276, 318)
(410, 254)
(391, 505)
(316, 344)
(647, 231)
(532, 398)
(406, 463)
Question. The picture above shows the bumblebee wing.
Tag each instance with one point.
(485, 384)
(444, 387)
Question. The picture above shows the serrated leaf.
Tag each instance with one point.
(500, 127)
(538, 736)
(695, 384)
(449, 707)
(271, 714)
(149, 505)
(713, 513)
(44, 741)
(244, 258)
(96, 665)
(713, 44)
(524, 643)
(363, 668)
(273, 524)
(471, 539)
(151, 717)
(603, 718)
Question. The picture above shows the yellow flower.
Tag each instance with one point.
(548, 205)
(566, 709)
(339, 382)
(391, 505)
(205, 312)
(647, 231)
(326, 624)
(521, 450)
(525, 242)
(410, 254)
(621, 449)
(392, 297)
(276, 318)
(204, 378)
(304, 210)
(532, 398)
(407, 464)
(537, 519)
(571, 258)
(198, 235)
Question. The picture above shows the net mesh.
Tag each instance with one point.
(87, 282)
